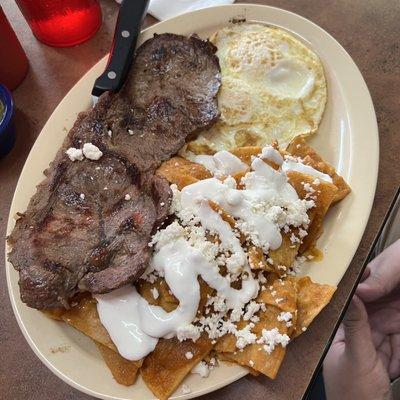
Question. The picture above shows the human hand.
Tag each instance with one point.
(366, 348)
(380, 292)
(353, 368)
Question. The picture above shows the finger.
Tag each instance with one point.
(386, 321)
(357, 330)
(384, 275)
(366, 273)
(335, 350)
(385, 352)
(377, 337)
(339, 337)
(394, 366)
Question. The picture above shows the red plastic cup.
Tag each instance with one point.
(13, 62)
(62, 23)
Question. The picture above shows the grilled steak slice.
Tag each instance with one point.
(170, 94)
(88, 226)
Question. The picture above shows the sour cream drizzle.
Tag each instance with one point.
(133, 324)
(182, 264)
(290, 165)
(222, 163)
(119, 314)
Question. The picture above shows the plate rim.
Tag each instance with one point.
(240, 8)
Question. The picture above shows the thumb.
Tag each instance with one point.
(384, 275)
(357, 332)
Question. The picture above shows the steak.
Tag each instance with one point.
(88, 226)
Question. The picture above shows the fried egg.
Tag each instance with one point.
(273, 88)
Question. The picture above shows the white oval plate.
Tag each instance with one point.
(348, 138)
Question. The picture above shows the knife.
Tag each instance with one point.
(127, 30)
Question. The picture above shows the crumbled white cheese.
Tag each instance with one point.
(109, 133)
(261, 278)
(251, 309)
(149, 275)
(302, 233)
(154, 293)
(236, 314)
(189, 355)
(91, 151)
(186, 389)
(82, 196)
(74, 154)
(270, 338)
(298, 264)
(244, 337)
(308, 188)
(188, 332)
(130, 131)
(294, 238)
(285, 317)
(201, 369)
(127, 197)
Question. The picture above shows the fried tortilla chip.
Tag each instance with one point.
(55, 314)
(182, 172)
(278, 260)
(323, 196)
(279, 296)
(123, 371)
(254, 356)
(165, 368)
(285, 255)
(257, 360)
(299, 148)
(281, 293)
(311, 299)
(165, 298)
(85, 318)
(257, 259)
(246, 153)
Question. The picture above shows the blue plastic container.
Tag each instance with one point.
(7, 126)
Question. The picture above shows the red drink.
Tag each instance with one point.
(13, 62)
(62, 23)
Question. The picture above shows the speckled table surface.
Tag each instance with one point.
(368, 29)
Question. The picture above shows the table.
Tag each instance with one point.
(368, 29)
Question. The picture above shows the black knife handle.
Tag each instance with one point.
(127, 30)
